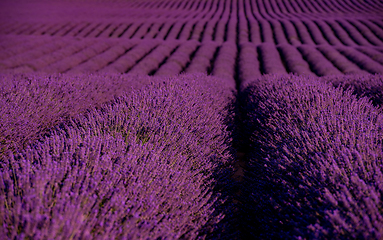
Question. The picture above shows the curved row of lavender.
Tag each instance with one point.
(314, 159)
(152, 163)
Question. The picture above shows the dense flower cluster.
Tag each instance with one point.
(148, 164)
(315, 161)
(362, 85)
(30, 104)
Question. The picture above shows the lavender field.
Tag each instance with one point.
(200, 119)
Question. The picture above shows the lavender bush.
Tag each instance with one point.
(279, 34)
(314, 166)
(362, 85)
(30, 104)
(77, 58)
(248, 62)
(291, 33)
(224, 65)
(100, 61)
(353, 32)
(377, 31)
(342, 35)
(141, 166)
(43, 61)
(302, 32)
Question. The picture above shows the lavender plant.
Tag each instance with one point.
(33, 103)
(315, 162)
(362, 85)
(140, 166)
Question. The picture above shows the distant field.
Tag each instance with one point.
(200, 119)
(235, 39)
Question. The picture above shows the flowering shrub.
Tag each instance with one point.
(291, 33)
(18, 47)
(376, 30)
(48, 59)
(353, 32)
(266, 31)
(372, 53)
(140, 166)
(31, 104)
(77, 58)
(243, 27)
(302, 32)
(362, 85)
(100, 61)
(341, 33)
(315, 161)
(33, 53)
(224, 65)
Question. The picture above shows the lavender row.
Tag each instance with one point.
(314, 169)
(225, 63)
(31, 104)
(319, 64)
(340, 61)
(362, 85)
(221, 24)
(361, 60)
(140, 166)
(178, 60)
(152, 61)
(248, 63)
(201, 62)
(129, 59)
(278, 7)
(270, 59)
